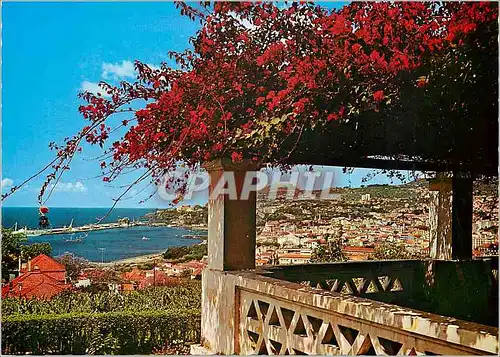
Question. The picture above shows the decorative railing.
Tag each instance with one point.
(273, 326)
(418, 284)
(387, 281)
(276, 320)
(269, 311)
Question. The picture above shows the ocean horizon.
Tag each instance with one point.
(62, 216)
(103, 245)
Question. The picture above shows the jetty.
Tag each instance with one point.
(195, 236)
(81, 229)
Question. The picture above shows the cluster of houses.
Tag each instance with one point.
(44, 277)
(40, 277)
(164, 274)
(284, 243)
(485, 226)
(288, 255)
(292, 240)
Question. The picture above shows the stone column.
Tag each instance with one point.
(450, 217)
(231, 246)
(231, 220)
(440, 237)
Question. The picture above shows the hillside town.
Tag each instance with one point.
(362, 219)
(289, 232)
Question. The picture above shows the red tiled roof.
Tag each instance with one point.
(44, 263)
(34, 284)
(194, 264)
(294, 255)
(266, 254)
(127, 287)
(134, 275)
(358, 249)
(197, 272)
(160, 278)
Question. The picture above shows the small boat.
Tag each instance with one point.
(74, 240)
(145, 238)
(17, 231)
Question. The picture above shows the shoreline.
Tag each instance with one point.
(145, 258)
(140, 259)
(198, 232)
(105, 226)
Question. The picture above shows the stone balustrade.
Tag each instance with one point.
(250, 312)
(446, 305)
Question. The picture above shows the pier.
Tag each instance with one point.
(81, 229)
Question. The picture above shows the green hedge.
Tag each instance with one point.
(123, 332)
(185, 296)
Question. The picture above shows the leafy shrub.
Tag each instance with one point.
(185, 296)
(123, 332)
(30, 251)
(391, 250)
(183, 254)
(74, 265)
(331, 252)
(175, 252)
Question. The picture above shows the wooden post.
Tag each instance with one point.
(462, 216)
(231, 220)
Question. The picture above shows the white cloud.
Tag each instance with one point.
(153, 66)
(113, 71)
(93, 87)
(69, 187)
(117, 70)
(244, 22)
(6, 183)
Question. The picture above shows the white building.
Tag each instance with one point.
(294, 258)
(289, 240)
(82, 283)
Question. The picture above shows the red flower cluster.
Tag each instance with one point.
(259, 74)
(378, 96)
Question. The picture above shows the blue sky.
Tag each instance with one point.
(50, 52)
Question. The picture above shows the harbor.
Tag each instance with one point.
(82, 229)
(109, 245)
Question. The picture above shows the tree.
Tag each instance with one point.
(32, 250)
(175, 252)
(274, 85)
(184, 254)
(102, 278)
(330, 252)
(185, 274)
(390, 250)
(74, 265)
(11, 249)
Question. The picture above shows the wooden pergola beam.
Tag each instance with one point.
(388, 164)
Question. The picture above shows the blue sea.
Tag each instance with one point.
(62, 216)
(104, 245)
